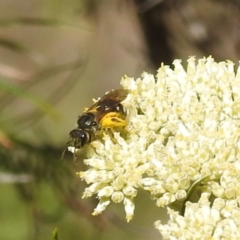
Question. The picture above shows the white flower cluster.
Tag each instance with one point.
(182, 126)
(204, 220)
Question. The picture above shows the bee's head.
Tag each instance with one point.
(78, 138)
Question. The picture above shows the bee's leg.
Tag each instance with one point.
(74, 156)
(113, 120)
(109, 131)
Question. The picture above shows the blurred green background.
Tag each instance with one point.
(55, 56)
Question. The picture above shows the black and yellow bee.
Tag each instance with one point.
(106, 113)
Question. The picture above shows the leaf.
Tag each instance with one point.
(30, 21)
(190, 192)
(18, 48)
(55, 234)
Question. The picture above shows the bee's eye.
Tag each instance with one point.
(76, 133)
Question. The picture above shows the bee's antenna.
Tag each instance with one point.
(63, 153)
(65, 149)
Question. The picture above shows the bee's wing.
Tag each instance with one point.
(117, 95)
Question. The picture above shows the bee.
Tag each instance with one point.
(106, 113)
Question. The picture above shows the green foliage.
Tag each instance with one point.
(20, 92)
(55, 234)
